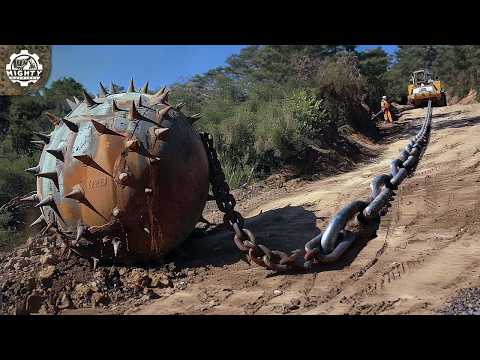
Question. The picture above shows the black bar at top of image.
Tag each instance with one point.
(290, 23)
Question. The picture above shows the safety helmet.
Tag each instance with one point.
(384, 97)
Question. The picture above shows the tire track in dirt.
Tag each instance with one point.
(398, 270)
(427, 245)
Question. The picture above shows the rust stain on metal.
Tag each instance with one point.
(110, 157)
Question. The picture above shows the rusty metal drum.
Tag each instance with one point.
(125, 172)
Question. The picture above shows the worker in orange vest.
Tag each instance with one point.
(387, 114)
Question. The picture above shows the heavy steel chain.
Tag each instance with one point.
(332, 243)
(243, 238)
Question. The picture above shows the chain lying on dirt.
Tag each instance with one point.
(244, 238)
(332, 243)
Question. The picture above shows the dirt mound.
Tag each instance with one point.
(471, 98)
(41, 278)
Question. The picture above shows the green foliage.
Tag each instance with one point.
(373, 65)
(13, 179)
(9, 234)
(270, 103)
(287, 126)
(19, 115)
(236, 173)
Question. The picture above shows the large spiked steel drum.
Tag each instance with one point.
(125, 172)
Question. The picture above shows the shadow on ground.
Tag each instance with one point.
(284, 229)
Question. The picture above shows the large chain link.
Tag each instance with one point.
(332, 243)
(244, 239)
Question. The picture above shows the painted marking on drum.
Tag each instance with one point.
(98, 183)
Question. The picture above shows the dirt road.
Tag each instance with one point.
(428, 245)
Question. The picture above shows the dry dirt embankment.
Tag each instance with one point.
(428, 245)
(427, 248)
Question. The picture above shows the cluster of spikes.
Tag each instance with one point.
(160, 96)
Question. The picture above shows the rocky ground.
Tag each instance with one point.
(466, 302)
(37, 278)
(426, 252)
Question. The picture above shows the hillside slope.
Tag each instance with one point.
(427, 247)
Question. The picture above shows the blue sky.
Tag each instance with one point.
(160, 64)
(388, 48)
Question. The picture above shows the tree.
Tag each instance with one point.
(373, 65)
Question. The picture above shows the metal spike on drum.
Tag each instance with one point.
(58, 153)
(162, 114)
(33, 197)
(144, 89)
(116, 245)
(132, 145)
(55, 120)
(52, 175)
(33, 170)
(76, 194)
(72, 104)
(89, 161)
(45, 138)
(194, 118)
(38, 221)
(111, 182)
(88, 99)
(131, 87)
(102, 129)
(160, 92)
(48, 201)
(163, 98)
(115, 107)
(102, 92)
(161, 133)
(71, 125)
(81, 231)
(135, 115)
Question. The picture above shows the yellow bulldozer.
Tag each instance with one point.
(423, 87)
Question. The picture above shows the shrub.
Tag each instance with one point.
(286, 126)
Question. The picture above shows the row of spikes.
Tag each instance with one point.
(76, 194)
(134, 115)
(160, 97)
(131, 145)
(124, 178)
(102, 93)
(83, 231)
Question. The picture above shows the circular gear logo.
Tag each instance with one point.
(24, 68)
